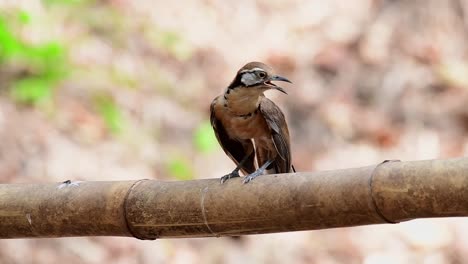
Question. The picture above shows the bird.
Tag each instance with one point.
(251, 128)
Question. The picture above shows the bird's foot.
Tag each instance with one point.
(252, 176)
(226, 177)
(258, 172)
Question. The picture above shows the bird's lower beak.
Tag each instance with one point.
(278, 78)
(280, 89)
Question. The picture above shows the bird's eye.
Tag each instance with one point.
(261, 74)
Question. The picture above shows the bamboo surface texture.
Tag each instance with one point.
(389, 192)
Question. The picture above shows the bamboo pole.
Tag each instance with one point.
(389, 192)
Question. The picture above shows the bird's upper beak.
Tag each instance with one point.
(278, 78)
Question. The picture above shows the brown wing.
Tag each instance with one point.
(279, 133)
(236, 150)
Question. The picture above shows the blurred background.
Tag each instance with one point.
(120, 90)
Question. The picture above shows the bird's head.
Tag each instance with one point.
(257, 75)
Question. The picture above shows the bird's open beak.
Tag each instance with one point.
(278, 78)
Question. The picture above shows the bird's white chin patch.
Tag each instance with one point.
(249, 79)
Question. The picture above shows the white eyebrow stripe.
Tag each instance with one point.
(253, 70)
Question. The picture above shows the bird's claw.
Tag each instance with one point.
(250, 177)
(226, 177)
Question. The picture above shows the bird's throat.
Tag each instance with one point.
(242, 101)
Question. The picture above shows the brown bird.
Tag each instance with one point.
(248, 125)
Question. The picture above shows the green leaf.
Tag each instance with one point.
(204, 138)
(180, 169)
(24, 17)
(41, 66)
(50, 50)
(110, 113)
(9, 44)
(48, 56)
(32, 90)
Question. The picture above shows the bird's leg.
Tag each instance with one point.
(235, 172)
(258, 172)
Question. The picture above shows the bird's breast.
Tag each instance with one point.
(242, 127)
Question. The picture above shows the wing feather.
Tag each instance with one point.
(280, 134)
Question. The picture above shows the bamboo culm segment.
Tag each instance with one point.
(389, 192)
